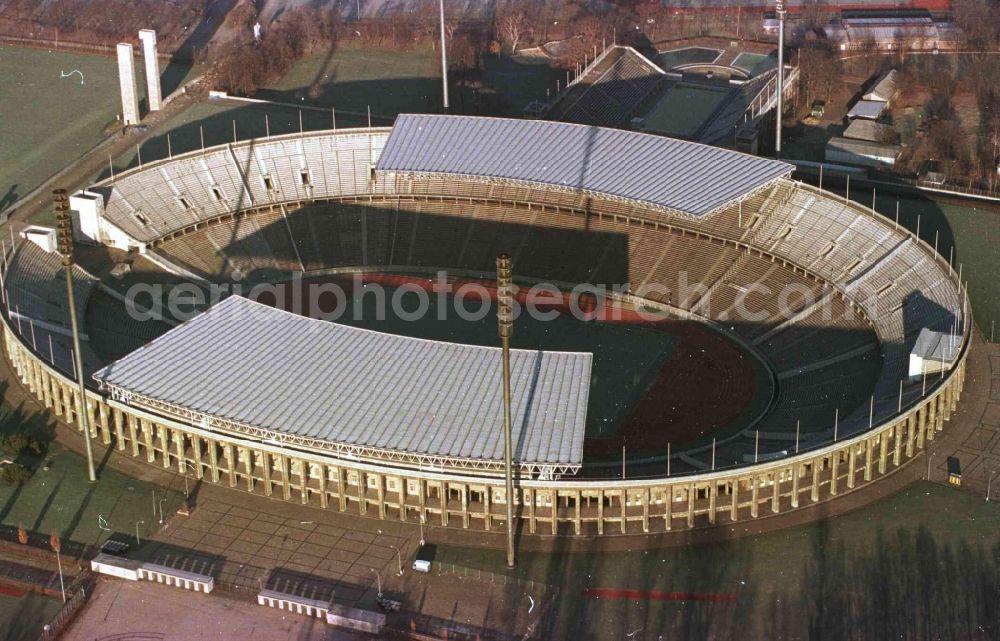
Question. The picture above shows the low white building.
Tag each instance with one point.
(863, 153)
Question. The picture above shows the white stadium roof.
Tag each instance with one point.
(249, 368)
(674, 174)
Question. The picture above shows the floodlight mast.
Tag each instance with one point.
(780, 6)
(505, 326)
(65, 242)
(444, 57)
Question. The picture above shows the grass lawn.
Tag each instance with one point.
(683, 109)
(352, 79)
(47, 121)
(60, 498)
(22, 618)
(928, 537)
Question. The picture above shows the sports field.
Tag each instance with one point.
(652, 383)
(682, 109)
(22, 617)
(755, 63)
(54, 107)
(875, 568)
(667, 60)
(352, 79)
(60, 499)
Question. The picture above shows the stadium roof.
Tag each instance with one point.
(249, 368)
(674, 174)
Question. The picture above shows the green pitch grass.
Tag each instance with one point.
(667, 60)
(47, 121)
(60, 498)
(682, 109)
(352, 79)
(22, 618)
(931, 546)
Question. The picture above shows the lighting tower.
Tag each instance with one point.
(780, 6)
(444, 57)
(65, 235)
(505, 324)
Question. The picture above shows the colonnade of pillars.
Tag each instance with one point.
(566, 507)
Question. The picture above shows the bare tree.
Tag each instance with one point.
(511, 25)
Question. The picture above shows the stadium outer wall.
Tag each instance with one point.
(474, 500)
(563, 506)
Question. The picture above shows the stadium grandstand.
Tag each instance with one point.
(706, 102)
(840, 297)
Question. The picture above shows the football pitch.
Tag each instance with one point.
(54, 108)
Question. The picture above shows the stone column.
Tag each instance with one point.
(852, 462)
(266, 469)
(600, 511)
(148, 39)
(815, 465)
(213, 461)
(645, 510)
(164, 444)
(196, 455)
(754, 489)
(181, 458)
(712, 487)
(776, 492)
(102, 413)
(465, 507)
(734, 505)
(126, 81)
(692, 494)
(324, 500)
(577, 520)
(868, 457)
(487, 516)
(304, 470)
(118, 417)
(380, 493)
(796, 472)
(834, 468)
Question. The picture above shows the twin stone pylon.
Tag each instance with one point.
(127, 81)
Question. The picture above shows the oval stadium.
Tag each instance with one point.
(701, 339)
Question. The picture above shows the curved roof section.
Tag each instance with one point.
(682, 176)
(373, 393)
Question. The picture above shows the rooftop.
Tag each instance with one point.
(682, 176)
(246, 367)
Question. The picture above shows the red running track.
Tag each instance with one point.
(653, 595)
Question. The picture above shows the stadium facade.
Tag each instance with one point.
(730, 220)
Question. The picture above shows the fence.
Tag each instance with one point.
(65, 614)
(453, 569)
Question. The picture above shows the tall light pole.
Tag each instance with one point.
(444, 57)
(780, 6)
(505, 325)
(65, 235)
